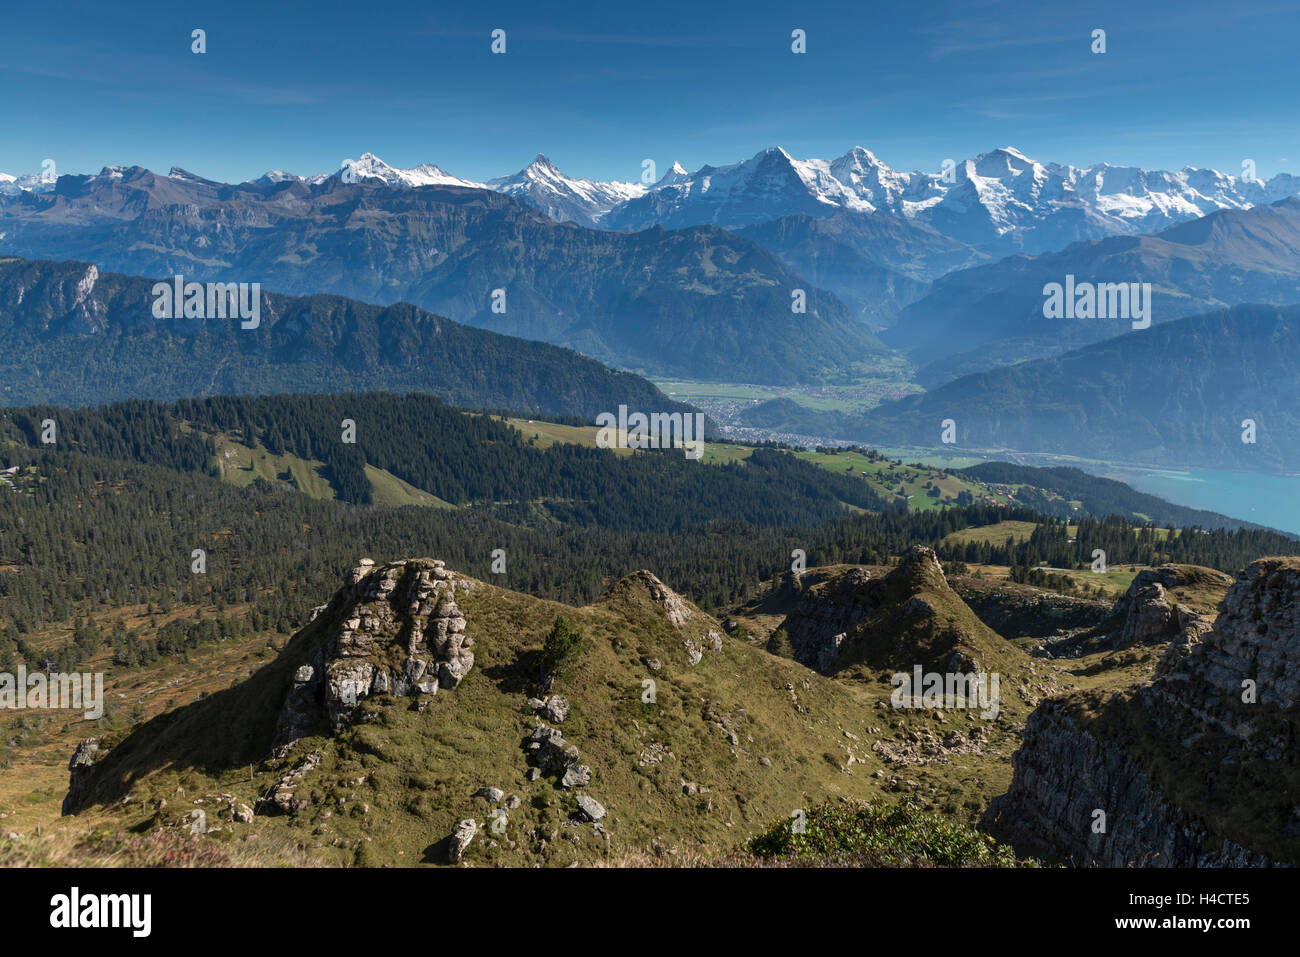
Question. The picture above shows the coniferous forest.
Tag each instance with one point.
(111, 514)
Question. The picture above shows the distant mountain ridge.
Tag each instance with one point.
(714, 300)
(1176, 394)
(1001, 201)
(75, 336)
(876, 264)
(992, 315)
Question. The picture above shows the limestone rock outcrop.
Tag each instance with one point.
(1153, 617)
(1023, 611)
(281, 799)
(395, 629)
(674, 605)
(910, 616)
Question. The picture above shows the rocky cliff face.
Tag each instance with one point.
(1197, 767)
(1171, 602)
(821, 621)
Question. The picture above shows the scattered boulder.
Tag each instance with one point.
(556, 709)
(460, 839)
(280, 799)
(79, 773)
(550, 752)
(590, 808)
(579, 775)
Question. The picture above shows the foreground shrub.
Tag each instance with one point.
(879, 835)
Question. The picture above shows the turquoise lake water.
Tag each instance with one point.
(1272, 500)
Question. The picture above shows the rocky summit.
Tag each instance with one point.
(856, 626)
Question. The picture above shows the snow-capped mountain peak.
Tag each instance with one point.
(371, 167)
(185, 176)
(740, 194)
(275, 177)
(861, 158)
(677, 173)
(1012, 152)
(278, 176)
(541, 166)
(541, 185)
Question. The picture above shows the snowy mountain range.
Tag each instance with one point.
(11, 185)
(1001, 201)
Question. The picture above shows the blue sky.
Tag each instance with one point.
(599, 87)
